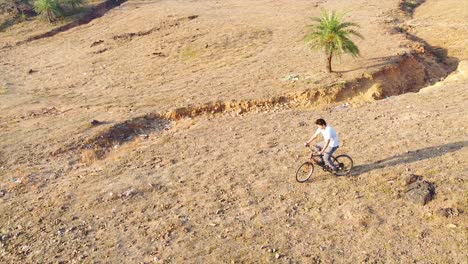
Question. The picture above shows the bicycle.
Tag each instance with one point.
(343, 163)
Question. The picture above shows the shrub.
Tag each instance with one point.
(50, 9)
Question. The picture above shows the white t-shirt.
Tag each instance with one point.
(329, 133)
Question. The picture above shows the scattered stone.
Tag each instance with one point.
(144, 136)
(302, 123)
(341, 107)
(129, 193)
(452, 226)
(2, 193)
(95, 122)
(25, 248)
(277, 256)
(449, 212)
(290, 78)
(159, 54)
(411, 178)
(100, 51)
(61, 231)
(15, 180)
(95, 43)
(418, 190)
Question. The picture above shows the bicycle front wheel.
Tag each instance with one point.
(304, 172)
(344, 164)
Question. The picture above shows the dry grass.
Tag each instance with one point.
(88, 156)
(189, 53)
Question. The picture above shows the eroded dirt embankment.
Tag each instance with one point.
(413, 72)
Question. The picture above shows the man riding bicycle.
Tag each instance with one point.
(328, 146)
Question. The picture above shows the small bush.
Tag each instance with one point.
(50, 9)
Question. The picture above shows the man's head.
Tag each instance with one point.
(321, 123)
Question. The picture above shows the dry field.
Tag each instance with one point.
(200, 136)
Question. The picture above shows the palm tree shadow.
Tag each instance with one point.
(410, 157)
(378, 62)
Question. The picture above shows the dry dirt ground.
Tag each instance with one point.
(220, 187)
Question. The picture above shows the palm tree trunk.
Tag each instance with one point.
(329, 62)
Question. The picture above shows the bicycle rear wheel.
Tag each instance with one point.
(304, 172)
(344, 164)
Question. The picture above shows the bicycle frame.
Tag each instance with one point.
(314, 153)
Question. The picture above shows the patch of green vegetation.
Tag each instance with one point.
(50, 9)
(410, 5)
(189, 53)
(3, 90)
(432, 172)
(53, 10)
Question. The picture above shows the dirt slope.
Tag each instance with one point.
(223, 189)
(220, 187)
(443, 24)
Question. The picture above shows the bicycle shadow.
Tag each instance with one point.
(410, 157)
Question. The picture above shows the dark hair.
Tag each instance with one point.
(320, 122)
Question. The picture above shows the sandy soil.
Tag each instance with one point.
(443, 24)
(221, 188)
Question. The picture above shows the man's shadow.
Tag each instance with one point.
(410, 157)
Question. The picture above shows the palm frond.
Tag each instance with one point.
(353, 32)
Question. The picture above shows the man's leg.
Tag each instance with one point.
(328, 154)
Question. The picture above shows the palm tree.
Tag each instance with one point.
(331, 34)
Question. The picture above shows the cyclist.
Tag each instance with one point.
(328, 146)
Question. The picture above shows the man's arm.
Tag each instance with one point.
(327, 142)
(312, 137)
